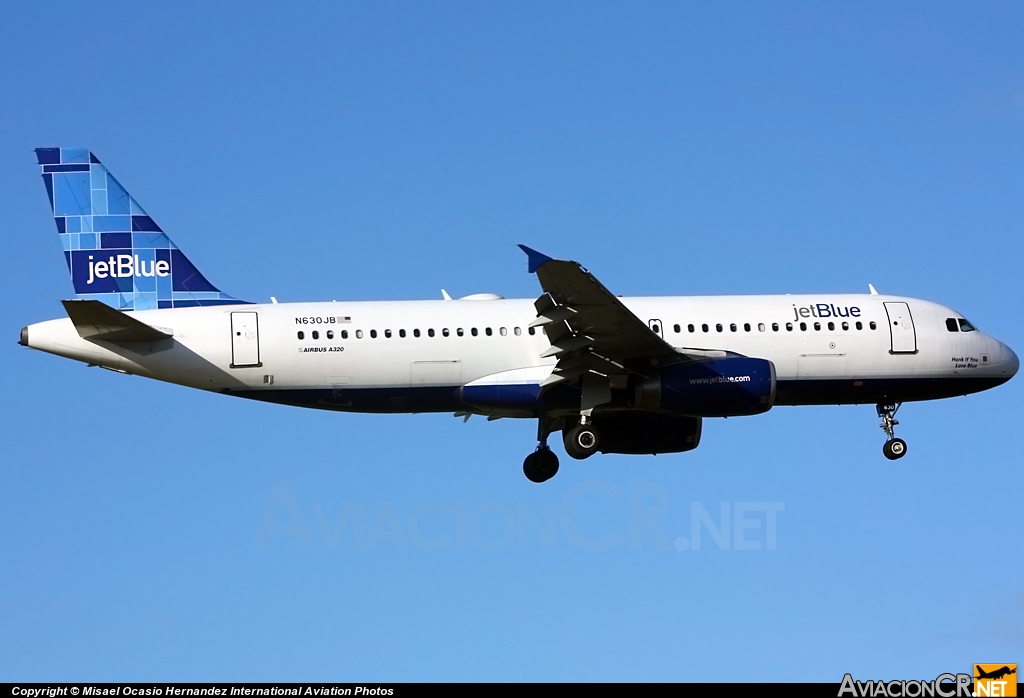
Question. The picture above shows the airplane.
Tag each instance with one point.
(612, 374)
(994, 674)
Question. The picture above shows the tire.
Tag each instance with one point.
(547, 463)
(895, 449)
(530, 469)
(582, 441)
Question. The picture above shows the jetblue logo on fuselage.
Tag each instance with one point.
(825, 310)
(125, 266)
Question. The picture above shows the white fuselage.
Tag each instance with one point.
(291, 347)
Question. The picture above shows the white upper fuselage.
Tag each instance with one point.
(200, 355)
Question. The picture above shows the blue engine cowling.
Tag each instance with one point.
(732, 386)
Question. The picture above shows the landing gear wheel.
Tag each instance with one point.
(540, 466)
(581, 441)
(894, 449)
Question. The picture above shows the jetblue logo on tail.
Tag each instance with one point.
(115, 251)
(125, 266)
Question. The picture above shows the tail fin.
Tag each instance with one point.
(115, 252)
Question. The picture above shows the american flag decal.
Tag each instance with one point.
(344, 318)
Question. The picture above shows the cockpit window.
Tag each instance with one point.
(966, 326)
(951, 324)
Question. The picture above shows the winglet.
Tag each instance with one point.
(534, 258)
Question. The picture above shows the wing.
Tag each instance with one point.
(590, 330)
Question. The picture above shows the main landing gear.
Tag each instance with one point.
(582, 440)
(893, 448)
(542, 464)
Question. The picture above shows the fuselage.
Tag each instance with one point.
(412, 356)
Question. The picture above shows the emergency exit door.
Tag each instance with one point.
(245, 340)
(901, 328)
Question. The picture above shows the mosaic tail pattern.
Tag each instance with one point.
(115, 251)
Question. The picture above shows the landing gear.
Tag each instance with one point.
(542, 464)
(582, 440)
(893, 448)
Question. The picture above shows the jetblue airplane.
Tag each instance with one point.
(613, 374)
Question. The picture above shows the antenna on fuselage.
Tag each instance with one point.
(444, 294)
(872, 289)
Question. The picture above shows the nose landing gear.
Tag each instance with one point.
(893, 448)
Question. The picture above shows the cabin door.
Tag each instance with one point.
(901, 328)
(245, 340)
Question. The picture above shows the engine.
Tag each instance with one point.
(647, 432)
(727, 387)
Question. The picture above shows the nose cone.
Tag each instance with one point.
(1010, 361)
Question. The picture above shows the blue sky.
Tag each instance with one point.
(384, 151)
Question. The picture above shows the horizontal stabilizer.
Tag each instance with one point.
(95, 320)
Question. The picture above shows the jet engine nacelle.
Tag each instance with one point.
(732, 386)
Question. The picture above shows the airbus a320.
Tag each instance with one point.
(611, 374)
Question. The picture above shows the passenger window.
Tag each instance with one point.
(775, 327)
(316, 335)
(302, 335)
(951, 324)
(444, 332)
(872, 325)
(430, 332)
(789, 327)
(746, 327)
(373, 334)
(846, 325)
(416, 333)
(656, 329)
(803, 326)
(344, 334)
(676, 328)
(966, 326)
(487, 331)
(690, 328)
(473, 332)
(531, 330)
(704, 327)
(517, 331)
(401, 333)
(503, 332)
(718, 327)
(330, 334)
(831, 326)
(460, 331)
(860, 325)
(387, 334)
(359, 334)
(732, 327)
